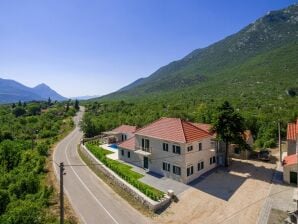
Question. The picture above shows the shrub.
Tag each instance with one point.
(125, 172)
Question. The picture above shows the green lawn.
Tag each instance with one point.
(125, 172)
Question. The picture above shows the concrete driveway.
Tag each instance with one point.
(234, 195)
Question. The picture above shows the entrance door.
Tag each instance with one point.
(293, 177)
(146, 162)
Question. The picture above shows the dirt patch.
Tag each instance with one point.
(277, 216)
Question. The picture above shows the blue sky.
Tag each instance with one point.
(87, 47)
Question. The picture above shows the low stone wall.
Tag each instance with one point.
(134, 192)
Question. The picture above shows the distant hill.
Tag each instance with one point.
(241, 58)
(87, 97)
(12, 91)
(45, 92)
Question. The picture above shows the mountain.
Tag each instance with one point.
(87, 97)
(12, 91)
(269, 40)
(45, 92)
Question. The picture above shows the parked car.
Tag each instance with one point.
(264, 155)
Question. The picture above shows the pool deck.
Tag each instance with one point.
(114, 155)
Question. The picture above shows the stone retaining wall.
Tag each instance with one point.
(134, 192)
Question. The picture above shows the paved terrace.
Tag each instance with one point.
(159, 182)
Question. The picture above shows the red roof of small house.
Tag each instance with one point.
(292, 131)
(247, 135)
(290, 160)
(129, 143)
(125, 129)
(205, 127)
(173, 129)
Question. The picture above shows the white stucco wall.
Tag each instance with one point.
(287, 170)
(196, 156)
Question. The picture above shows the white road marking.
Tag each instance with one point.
(85, 186)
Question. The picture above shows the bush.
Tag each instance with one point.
(125, 172)
(23, 212)
(4, 200)
(42, 149)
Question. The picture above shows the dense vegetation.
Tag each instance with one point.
(27, 131)
(254, 69)
(125, 172)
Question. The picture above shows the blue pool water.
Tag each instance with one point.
(114, 146)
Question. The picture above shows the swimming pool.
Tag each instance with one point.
(114, 146)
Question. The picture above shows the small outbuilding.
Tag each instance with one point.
(290, 172)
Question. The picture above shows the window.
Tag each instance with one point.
(176, 149)
(128, 154)
(189, 148)
(200, 146)
(166, 166)
(124, 137)
(189, 170)
(165, 147)
(200, 165)
(122, 152)
(145, 143)
(212, 160)
(176, 170)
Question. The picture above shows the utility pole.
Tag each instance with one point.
(61, 194)
(279, 143)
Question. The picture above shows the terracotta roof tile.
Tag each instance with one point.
(203, 126)
(292, 131)
(290, 160)
(173, 129)
(128, 144)
(125, 129)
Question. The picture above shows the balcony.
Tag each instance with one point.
(143, 151)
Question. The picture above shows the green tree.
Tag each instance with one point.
(34, 109)
(67, 106)
(77, 106)
(19, 111)
(229, 126)
(4, 200)
(49, 101)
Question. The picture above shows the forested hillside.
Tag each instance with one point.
(255, 69)
(27, 131)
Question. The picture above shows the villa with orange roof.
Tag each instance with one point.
(119, 134)
(173, 148)
(292, 138)
(290, 162)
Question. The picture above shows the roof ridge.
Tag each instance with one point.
(182, 125)
(136, 132)
(197, 127)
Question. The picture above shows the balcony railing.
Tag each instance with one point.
(144, 149)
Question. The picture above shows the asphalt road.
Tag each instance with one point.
(92, 199)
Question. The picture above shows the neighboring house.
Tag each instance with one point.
(248, 138)
(292, 138)
(234, 150)
(119, 134)
(173, 148)
(290, 169)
